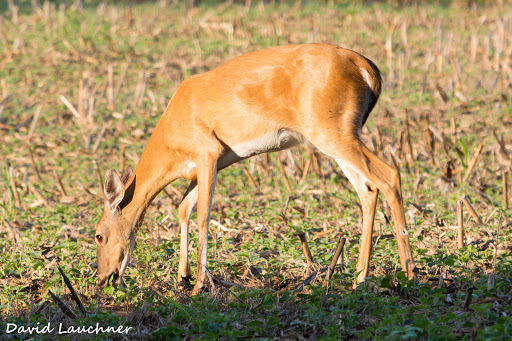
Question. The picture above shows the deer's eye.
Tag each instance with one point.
(99, 238)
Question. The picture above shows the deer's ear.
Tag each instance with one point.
(113, 189)
(127, 175)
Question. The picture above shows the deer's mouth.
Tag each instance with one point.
(114, 278)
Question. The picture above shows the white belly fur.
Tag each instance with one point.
(277, 140)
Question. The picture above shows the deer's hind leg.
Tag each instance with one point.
(368, 194)
(365, 169)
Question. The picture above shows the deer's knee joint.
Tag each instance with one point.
(370, 187)
(183, 211)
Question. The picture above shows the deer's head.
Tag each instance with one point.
(115, 232)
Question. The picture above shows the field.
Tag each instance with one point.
(83, 85)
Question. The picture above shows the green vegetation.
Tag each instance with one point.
(81, 90)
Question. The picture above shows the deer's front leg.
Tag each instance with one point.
(185, 210)
(206, 178)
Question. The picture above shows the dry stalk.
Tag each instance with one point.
(140, 90)
(334, 260)
(409, 141)
(98, 174)
(460, 223)
(283, 172)
(456, 70)
(473, 162)
(453, 126)
(378, 140)
(472, 210)
(34, 122)
(263, 164)
(167, 194)
(501, 142)
(285, 208)
(394, 160)
(474, 48)
(99, 138)
(430, 141)
(389, 46)
(14, 231)
(14, 188)
(121, 162)
(320, 173)
(59, 183)
(505, 189)
(251, 179)
(305, 171)
(110, 88)
(293, 162)
(81, 97)
(467, 300)
(121, 80)
(36, 170)
(85, 189)
(40, 196)
(405, 43)
(174, 190)
(305, 247)
(441, 92)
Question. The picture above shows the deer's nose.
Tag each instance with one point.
(103, 279)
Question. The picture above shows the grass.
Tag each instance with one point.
(425, 52)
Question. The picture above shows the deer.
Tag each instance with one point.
(259, 102)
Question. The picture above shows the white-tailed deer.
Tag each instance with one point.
(260, 102)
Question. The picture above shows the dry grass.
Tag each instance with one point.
(82, 89)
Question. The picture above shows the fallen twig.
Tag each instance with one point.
(210, 279)
(226, 283)
(62, 306)
(483, 195)
(69, 106)
(73, 292)
(311, 278)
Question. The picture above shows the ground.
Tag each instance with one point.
(83, 86)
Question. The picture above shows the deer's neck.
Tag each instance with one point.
(156, 169)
